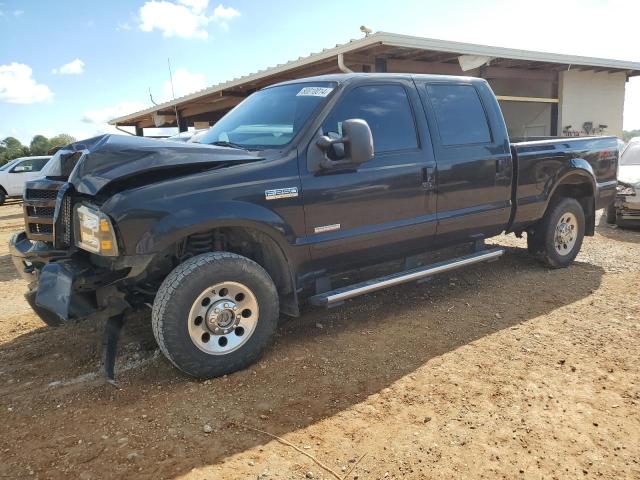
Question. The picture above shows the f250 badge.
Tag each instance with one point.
(277, 193)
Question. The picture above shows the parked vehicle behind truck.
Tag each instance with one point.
(625, 210)
(301, 182)
(21, 170)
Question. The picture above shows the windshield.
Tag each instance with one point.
(269, 118)
(631, 154)
(8, 164)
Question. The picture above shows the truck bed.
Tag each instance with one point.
(540, 165)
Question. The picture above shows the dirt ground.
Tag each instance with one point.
(506, 370)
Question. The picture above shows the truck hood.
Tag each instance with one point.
(90, 165)
(629, 174)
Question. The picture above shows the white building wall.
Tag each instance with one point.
(596, 97)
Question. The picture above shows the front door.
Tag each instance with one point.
(383, 209)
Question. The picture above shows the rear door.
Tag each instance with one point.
(384, 209)
(474, 161)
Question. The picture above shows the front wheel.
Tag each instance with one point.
(215, 314)
(558, 238)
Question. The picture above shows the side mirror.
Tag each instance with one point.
(18, 170)
(357, 140)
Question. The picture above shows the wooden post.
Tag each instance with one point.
(182, 123)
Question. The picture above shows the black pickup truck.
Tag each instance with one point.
(300, 183)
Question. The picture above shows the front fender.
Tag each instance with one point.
(184, 222)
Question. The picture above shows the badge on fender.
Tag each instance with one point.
(275, 194)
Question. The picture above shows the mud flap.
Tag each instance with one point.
(110, 345)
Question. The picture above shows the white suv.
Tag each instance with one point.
(13, 178)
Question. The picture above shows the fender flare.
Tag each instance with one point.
(179, 224)
(577, 167)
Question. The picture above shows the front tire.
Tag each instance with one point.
(215, 314)
(558, 238)
(3, 197)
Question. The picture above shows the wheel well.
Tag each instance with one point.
(578, 187)
(250, 243)
(3, 190)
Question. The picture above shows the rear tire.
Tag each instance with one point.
(215, 314)
(611, 214)
(558, 238)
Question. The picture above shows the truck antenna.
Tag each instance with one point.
(173, 94)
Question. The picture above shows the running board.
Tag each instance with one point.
(336, 297)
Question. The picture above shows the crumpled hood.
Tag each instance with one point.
(629, 174)
(94, 163)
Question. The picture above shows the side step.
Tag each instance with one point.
(336, 297)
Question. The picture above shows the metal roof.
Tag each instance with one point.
(401, 42)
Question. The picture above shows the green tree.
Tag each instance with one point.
(629, 134)
(61, 140)
(39, 145)
(14, 149)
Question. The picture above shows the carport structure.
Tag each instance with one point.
(540, 93)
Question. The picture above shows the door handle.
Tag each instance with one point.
(427, 178)
(501, 166)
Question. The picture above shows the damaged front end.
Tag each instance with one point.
(63, 279)
(72, 254)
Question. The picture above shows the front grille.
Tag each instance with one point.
(41, 228)
(64, 225)
(33, 194)
(630, 213)
(39, 209)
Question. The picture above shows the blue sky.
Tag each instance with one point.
(68, 66)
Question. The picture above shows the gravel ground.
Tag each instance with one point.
(506, 370)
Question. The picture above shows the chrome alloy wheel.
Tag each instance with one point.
(566, 233)
(223, 318)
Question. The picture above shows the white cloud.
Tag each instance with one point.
(184, 82)
(17, 85)
(75, 67)
(103, 115)
(17, 13)
(184, 18)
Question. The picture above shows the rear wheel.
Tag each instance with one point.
(558, 238)
(215, 314)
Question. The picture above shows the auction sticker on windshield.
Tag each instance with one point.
(314, 92)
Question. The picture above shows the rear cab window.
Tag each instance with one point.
(459, 114)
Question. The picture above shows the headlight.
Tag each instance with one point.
(94, 232)
(624, 189)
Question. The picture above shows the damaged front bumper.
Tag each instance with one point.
(68, 283)
(628, 208)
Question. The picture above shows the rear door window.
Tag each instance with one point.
(459, 114)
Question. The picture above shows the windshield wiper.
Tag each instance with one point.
(222, 143)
